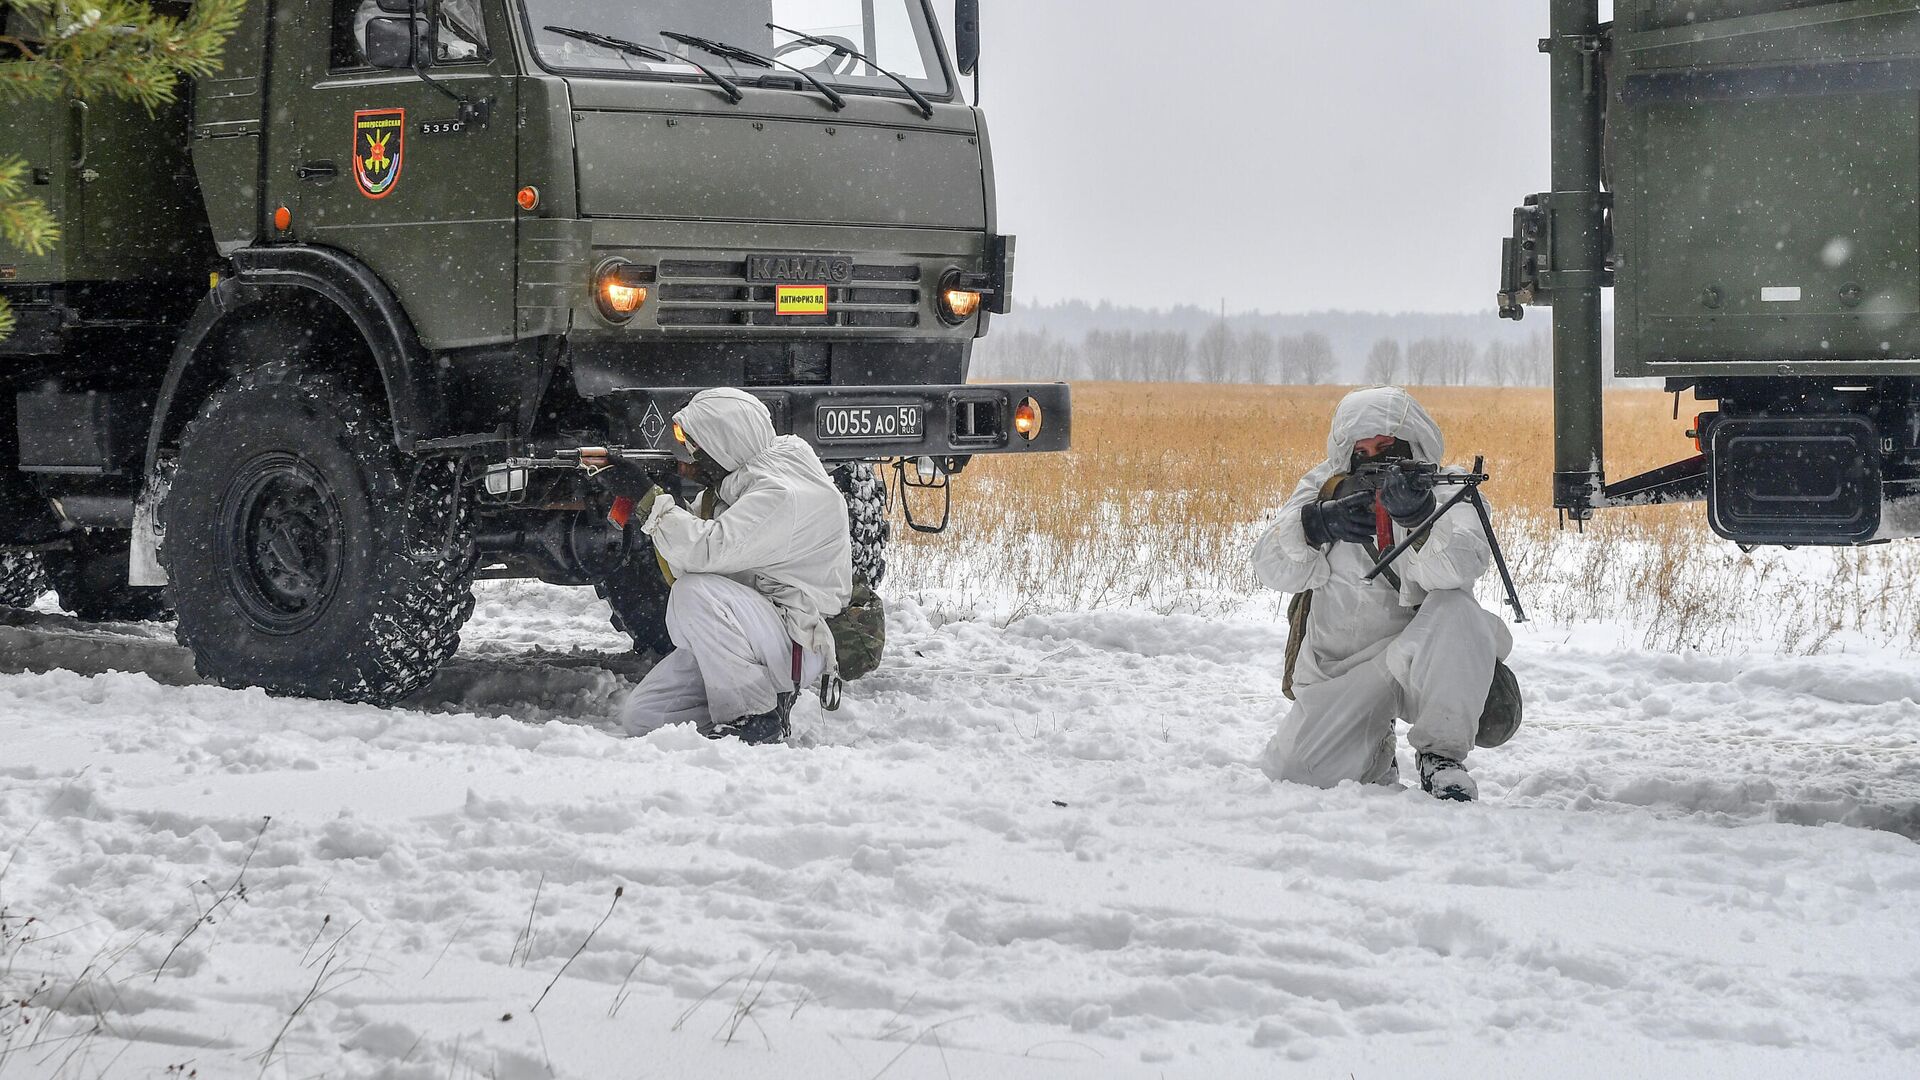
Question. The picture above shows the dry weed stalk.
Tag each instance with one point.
(235, 893)
(523, 943)
(618, 892)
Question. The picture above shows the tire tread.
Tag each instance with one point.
(426, 595)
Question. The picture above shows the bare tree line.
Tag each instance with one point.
(1224, 355)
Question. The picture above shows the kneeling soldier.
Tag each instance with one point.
(753, 586)
(1411, 644)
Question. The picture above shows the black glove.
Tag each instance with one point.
(628, 479)
(1408, 497)
(1349, 519)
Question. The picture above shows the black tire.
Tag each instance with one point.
(306, 555)
(91, 579)
(637, 593)
(22, 578)
(869, 506)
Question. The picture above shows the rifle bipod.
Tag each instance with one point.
(1469, 492)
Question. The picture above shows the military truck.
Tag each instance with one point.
(368, 314)
(1745, 175)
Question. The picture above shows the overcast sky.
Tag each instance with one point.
(1282, 155)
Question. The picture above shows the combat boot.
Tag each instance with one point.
(768, 727)
(1444, 778)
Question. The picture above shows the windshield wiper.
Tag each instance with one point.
(753, 59)
(926, 107)
(634, 48)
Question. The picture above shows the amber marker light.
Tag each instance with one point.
(283, 219)
(620, 288)
(529, 198)
(1027, 419)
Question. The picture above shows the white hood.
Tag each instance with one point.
(1382, 410)
(732, 425)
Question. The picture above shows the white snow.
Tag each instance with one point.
(1037, 849)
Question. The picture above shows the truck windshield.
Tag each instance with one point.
(895, 34)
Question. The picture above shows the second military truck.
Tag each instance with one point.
(360, 318)
(1745, 174)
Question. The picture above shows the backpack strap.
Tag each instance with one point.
(1297, 611)
(1373, 552)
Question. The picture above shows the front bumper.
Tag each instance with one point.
(956, 421)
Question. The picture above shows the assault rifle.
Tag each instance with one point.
(511, 476)
(1372, 475)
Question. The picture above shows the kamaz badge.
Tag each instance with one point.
(379, 149)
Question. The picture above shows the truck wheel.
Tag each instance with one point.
(91, 579)
(306, 555)
(868, 505)
(637, 593)
(22, 579)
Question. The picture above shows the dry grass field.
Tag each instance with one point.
(1165, 491)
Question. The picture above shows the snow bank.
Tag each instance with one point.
(1037, 849)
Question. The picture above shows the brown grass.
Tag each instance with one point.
(1249, 444)
(1159, 503)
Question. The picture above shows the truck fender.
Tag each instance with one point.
(407, 371)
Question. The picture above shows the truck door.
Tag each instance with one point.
(36, 132)
(386, 169)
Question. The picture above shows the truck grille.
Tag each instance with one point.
(713, 294)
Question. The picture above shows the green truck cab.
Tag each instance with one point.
(1745, 175)
(370, 313)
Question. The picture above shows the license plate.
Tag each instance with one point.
(849, 423)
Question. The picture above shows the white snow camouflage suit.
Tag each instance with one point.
(1423, 652)
(773, 564)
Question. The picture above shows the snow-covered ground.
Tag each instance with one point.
(1039, 849)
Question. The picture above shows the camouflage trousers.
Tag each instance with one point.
(1435, 675)
(732, 658)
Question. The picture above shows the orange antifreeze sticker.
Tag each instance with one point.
(800, 300)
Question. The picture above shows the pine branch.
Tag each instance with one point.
(115, 48)
(110, 49)
(25, 223)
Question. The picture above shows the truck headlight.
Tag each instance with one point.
(620, 289)
(961, 296)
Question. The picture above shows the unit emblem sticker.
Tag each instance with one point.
(379, 150)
